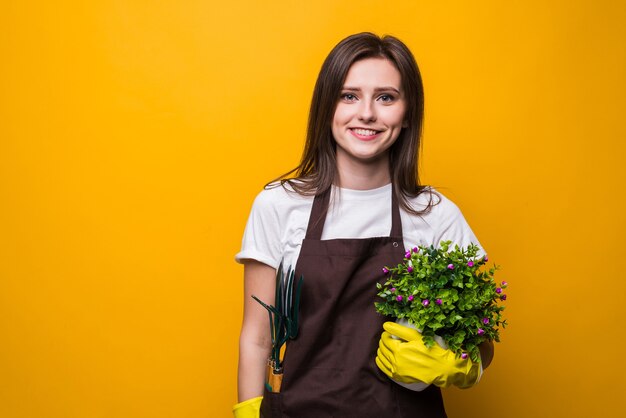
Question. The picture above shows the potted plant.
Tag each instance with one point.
(446, 294)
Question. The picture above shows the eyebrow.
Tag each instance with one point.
(377, 89)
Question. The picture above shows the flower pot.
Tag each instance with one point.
(417, 386)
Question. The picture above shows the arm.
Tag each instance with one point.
(255, 341)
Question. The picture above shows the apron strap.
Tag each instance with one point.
(396, 221)
(318, 215)
(320, 210)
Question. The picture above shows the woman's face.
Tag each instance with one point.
(370, 113)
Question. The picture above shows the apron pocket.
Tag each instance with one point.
(271, 406)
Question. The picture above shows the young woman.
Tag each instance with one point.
(353, 206)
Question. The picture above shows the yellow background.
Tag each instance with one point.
(134, 136)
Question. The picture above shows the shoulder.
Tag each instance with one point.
(443, 222)
(442, 214)
(280, 199)
(440, 205)
(276, 193)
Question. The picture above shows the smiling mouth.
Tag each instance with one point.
(364, 132)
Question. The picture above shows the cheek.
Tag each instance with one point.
(337, 123)
(341, 116)
(396, 117)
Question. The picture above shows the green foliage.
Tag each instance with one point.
(450, 293)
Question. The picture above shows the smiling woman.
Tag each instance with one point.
(318, 169)
(368, 120)
(362, 145)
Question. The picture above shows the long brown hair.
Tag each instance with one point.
(318, 167)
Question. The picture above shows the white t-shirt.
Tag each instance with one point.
(279, 219)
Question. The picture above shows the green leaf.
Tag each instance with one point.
(467, 294)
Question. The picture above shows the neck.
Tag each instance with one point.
(362, 175)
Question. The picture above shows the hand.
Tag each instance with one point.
(408, 360)
(248, 409)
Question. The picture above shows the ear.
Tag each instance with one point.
(405, 124)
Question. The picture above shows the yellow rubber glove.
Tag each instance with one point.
(248, 409)
(408, 360)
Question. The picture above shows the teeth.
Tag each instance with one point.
(365, 132)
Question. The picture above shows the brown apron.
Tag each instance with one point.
(329, 369)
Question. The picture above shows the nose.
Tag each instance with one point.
(367, 112)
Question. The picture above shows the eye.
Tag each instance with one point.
(348, 97)
(387, 98)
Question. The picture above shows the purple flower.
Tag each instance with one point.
(425, 302)
(410, 297)
(485, 258)
(393, 289)
(415, 249)
(399, 298)
(464, 356)
(470, 263)
(498, 290)
(481, 331)
(485, 321)
(503, 297)
(451, 266)
(409, 269)
(407, 254)
(385, 270)
(438, 301)
(504, 284)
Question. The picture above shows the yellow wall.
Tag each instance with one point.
(135, 134)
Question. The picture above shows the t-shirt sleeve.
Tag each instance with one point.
(454, 227)
(261, 238)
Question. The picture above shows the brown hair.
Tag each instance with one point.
(317, 169)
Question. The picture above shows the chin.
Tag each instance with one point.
(369, 158)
